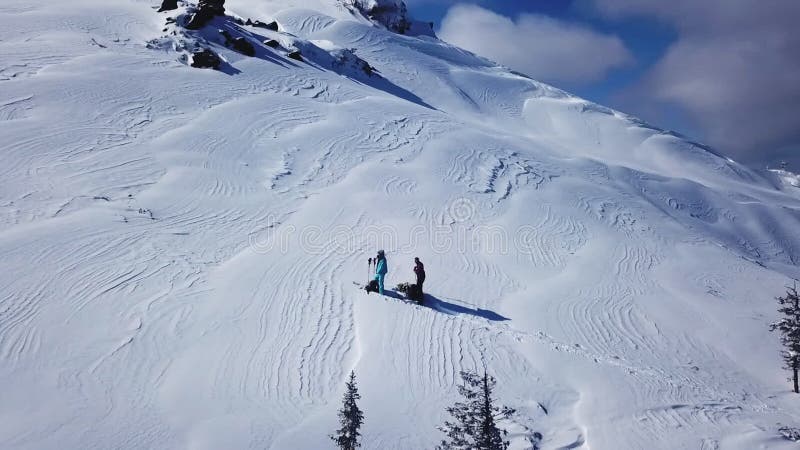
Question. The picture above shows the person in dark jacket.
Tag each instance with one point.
(419, 271)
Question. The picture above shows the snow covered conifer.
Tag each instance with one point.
(350, 418)
(474, 420)
(789, 327)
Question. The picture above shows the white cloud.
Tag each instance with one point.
(542, 47)
(734, 68)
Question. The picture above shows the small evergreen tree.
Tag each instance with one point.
(789, 327)
(474, 426)
(350, 418)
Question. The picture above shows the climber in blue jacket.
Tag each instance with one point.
(380, 269)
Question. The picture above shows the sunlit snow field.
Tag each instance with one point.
(179, 248)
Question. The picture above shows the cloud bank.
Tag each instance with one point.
(542, 47)
(734, 68)
(732, 74)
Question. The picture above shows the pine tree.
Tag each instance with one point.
(350, 418)
(789, 327)
(474, 425)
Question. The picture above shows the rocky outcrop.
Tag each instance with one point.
(168, 5)
(273, 26)
(392, 14)
(206, 59)
(239, 44)
(206, 10)
(217, 7)
(345, 60)
(243, 46)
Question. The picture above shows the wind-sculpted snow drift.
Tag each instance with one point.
(179, 245)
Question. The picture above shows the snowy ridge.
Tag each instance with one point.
(179, 245)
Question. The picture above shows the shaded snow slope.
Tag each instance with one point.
(179, 246)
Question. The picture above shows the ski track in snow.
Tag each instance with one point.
(160, 288)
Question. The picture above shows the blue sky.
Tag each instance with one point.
(647, 39)
(723, 72)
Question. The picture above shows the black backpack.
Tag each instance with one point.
(372, 286)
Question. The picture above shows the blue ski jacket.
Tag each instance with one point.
(381, 268)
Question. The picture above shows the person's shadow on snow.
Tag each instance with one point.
(453, 309)
(448, 308)
(393, 294)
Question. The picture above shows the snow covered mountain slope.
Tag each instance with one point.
(179, 245)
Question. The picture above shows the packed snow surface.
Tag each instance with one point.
(178, 246)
